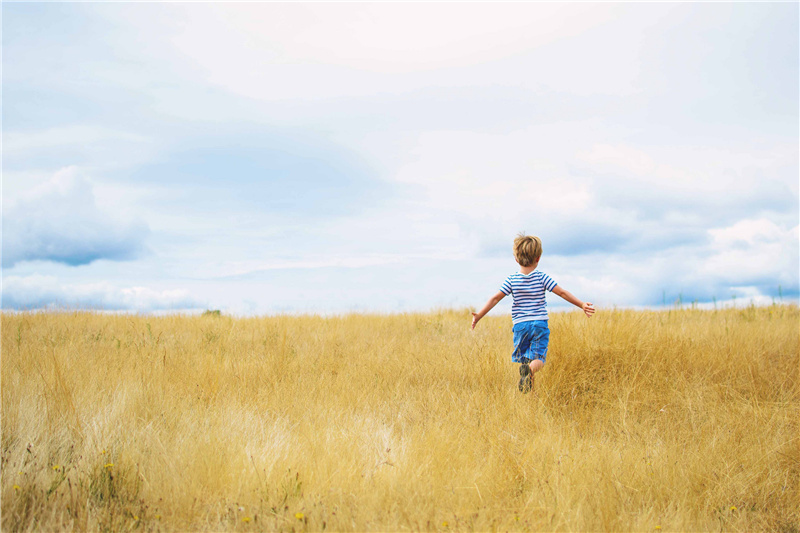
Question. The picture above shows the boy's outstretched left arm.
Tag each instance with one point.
(587, 307)
(486, 308)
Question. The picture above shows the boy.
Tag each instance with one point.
(529, 310)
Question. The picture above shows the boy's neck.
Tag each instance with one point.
(528, 269)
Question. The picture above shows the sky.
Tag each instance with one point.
(264, 158)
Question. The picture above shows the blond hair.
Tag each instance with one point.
(527, 249)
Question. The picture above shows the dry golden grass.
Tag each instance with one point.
(673, 420)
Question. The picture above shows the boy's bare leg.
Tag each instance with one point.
(535, 365)
(526, 373)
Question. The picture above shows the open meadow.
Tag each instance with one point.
(679, 419)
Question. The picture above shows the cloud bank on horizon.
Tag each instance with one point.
(263, 158)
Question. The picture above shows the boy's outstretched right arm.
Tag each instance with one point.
(486, 308)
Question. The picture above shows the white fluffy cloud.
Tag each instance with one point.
(647, 168)
(744, 179)
(60, 221)
(46, 292)
(321, 51)
(754, 252)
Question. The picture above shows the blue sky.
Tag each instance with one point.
(264, 158)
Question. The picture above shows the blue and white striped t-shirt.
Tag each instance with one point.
(528, 291)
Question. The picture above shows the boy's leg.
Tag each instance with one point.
(541, 338)
(534, 366)
(522, 340)
(525, 376)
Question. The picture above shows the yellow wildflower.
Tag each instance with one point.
(299, 516)
(444, 524)
(246, 519)
(17, 487)
(108, 465)
(733, 507)
(56, 467)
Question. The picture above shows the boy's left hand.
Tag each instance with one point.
(588, 308)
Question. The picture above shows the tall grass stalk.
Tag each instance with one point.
(682, 420)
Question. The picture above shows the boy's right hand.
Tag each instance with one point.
(475, 319)
(588, 308)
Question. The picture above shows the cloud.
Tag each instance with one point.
(322, 51)
(582, 197)
(46, 292)
(410, 143)
(754, 259)
(710, 183)
(60, 221)
(23, 143)
(26, 148)
(263, 170)
(754, 253)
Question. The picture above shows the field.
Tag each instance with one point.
(679, 419)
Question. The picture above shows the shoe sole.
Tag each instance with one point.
(525, 378)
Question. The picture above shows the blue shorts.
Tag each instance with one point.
(530, 341)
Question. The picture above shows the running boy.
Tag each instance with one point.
(529, 310)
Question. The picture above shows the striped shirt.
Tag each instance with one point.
(528, 291)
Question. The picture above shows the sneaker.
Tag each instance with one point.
(525, 378)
